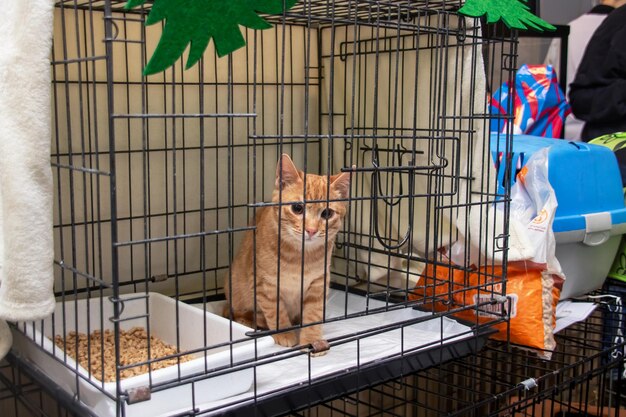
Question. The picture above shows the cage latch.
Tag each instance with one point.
(597, 228)
(529, 383)
(137, 395)
(159, 278)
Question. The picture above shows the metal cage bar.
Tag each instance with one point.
(159, 180)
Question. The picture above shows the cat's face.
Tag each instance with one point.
(315, 220)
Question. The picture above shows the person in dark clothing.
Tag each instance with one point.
(581, 30)
(598, 93)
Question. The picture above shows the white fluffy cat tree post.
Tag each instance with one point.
(26, 243)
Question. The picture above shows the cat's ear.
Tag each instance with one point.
(341, 183)
(289, 173)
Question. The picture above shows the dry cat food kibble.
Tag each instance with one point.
(98, 349)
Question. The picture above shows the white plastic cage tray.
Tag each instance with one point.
(85, 316)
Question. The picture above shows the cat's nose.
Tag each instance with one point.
(311, 232)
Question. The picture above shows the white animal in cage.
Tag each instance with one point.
(280, 277)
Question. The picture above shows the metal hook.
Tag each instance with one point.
(461, 35)
(405, 16)
(115, 30)
(375, 189)
(387, 200)
(122, 306)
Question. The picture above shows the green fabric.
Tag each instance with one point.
(196, 22)
(618, 269)
(515, 13)
(615, 142)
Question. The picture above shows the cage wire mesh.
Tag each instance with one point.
(158, 180)
(30, 393)
(584, 378)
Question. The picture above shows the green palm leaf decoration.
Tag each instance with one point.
(515, 13)
(196, 22)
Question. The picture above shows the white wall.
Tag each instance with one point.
(561, 12)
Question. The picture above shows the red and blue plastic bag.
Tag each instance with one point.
(539, 107)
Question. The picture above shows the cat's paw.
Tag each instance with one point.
(317, 347)
(310, 335)
(287, 339)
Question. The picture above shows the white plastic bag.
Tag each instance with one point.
(533, 204)
(532, 211)
(532, 244)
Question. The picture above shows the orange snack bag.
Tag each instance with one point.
(533, 298)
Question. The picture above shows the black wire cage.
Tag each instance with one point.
(158, 181)
(585, 378)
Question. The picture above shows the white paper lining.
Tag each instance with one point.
(289, 372)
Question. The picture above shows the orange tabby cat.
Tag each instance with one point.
(296, 296)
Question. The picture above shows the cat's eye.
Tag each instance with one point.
(327, 213)
(297, 208)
